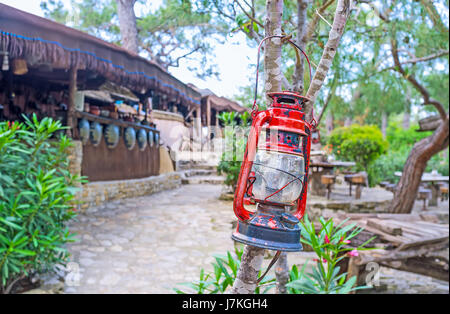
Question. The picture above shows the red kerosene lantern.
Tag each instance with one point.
(274, 174)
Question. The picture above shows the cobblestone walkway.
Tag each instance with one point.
(151, 243)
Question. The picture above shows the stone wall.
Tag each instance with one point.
(75, 156)
(96, 193)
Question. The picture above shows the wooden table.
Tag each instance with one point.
(320, 168)
(432, 180)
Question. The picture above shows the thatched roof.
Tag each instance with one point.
(223, 104)
(218, 103)
(41, 41)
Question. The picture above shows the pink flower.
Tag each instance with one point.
(345, 241)
(317, 260)
(326, 239)
(353, 253)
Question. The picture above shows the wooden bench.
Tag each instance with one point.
(359, 179)
(383, 184)
(328, 180)
(424, 195)
(391, 187)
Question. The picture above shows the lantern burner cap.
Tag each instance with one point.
(272, 230)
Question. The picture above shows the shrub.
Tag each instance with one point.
(36, 198)
(331, 245)
(401, 142)
(362, 144)
(235, 141)
(400, 139)
(383, 168)
(224, 275)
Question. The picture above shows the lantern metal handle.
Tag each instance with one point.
(255, 106)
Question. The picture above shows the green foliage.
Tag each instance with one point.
(36, 198)
(331, 246)
(224, 274)
(401, 142)
(235, 131)
(399, 138)
(362, 144)
(384, 168)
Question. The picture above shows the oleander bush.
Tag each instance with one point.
(332, 244)
(36, 198)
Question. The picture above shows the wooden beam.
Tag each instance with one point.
(71, 106)
(384, 226)
(208, 120)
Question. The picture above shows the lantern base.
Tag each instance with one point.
(271, 231)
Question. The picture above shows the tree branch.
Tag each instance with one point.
(410, 77)
(248, 15)
(340, 18)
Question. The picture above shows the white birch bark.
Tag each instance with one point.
(340, 18)
(252, 257)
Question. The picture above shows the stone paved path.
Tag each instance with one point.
(151, 243)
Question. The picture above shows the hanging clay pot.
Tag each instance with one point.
(112, 135)
(151, 138)
(142, 139)
(129, 137)
(156, 139)
(84, 130)
(96, 133)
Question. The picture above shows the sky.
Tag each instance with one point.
(233, 58)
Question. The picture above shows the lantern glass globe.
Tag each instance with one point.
(278, 176)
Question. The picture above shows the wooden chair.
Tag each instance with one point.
(328, 180)
(424, 195)
(359, 179)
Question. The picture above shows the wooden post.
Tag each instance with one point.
(208, 121)
(198, 123)
(71, 107)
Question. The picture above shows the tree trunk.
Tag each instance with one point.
(302, 8)
(282, 273)
(272, 51)
(252, 257)
(384, 122)
(127, 22)
(406, 190)
(406, 123)
(247, 275)
(340, 18)
(329, 123)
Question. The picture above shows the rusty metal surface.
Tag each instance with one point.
(102, 164)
